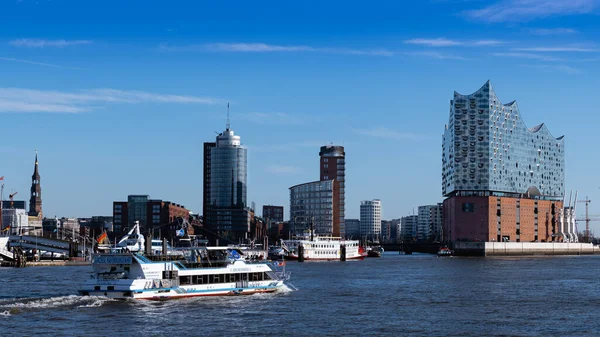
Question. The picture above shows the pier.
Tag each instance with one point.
(523, 248)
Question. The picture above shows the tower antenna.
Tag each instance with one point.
(228, 125)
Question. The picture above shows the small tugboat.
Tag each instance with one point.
(376, 251)
(445, 251)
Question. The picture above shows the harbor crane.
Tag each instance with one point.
(586, 235)
(10, 197)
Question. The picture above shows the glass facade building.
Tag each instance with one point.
(136, 210)
(313, 203)
(228, 172)
(487, 149)
(225, 210)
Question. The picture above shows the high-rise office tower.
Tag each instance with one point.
(333, 167)
(226, 215)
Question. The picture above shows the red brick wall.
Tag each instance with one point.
(480, 223)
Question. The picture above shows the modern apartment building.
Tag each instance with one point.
(408, 228)
(370, 219)
(315, 203)
(430, 222)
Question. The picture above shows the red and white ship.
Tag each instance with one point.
(318, 247)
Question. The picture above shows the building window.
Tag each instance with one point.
(468, 207)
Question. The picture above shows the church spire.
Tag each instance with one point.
(35, 202)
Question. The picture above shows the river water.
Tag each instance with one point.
(395, 295)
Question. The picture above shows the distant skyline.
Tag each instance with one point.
(119, 97)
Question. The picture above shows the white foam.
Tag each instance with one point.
(50, 302)
(5, 313)
(94, 304)
(285, 289)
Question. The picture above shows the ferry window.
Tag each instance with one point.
(222, 278)
(266, 276)
(204, 279)
(238, 277)
(215, 278)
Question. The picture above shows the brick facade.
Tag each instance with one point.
(491, 218)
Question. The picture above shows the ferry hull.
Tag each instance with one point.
(173, 294)
(134, 289)
(295, 257)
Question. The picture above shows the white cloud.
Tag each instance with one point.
(37, 63)
(269, 48)
(527, 10)
(438, 42)
(553, 31)
(560, 68)
(529, 56)
(29, 100)
(279, 118)
(436, 55)
(557, 49)
(386, 133)
(444, 42)
(40, 43)
(283, 169)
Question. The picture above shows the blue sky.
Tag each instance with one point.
(118, 97)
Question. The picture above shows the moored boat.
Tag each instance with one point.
(375, 251)
(322, 247)
(445, 251)
(202, 271)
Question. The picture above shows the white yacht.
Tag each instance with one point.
(319, 247)
(202, 271)
(133, 241)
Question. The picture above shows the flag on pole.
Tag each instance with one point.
(102, 237)
(2, 178)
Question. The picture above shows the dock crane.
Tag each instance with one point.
(587, 219)
(10, 197)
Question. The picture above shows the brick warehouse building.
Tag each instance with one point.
(152, 214)
(503, 181)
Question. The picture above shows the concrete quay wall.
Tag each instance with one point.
(523, 248)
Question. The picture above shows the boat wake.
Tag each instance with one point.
(14, 306)
(287, 288)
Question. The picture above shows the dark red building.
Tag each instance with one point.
(153, 214)
(273, 213)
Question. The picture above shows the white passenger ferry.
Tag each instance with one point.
(317, 247)
(203, 271)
